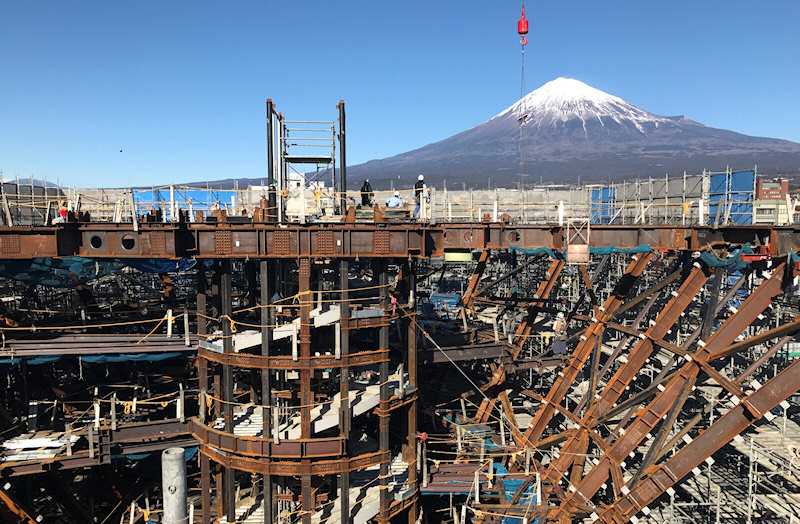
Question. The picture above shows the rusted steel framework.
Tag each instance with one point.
(391, 240)
(299, 451)
(600, 437)
(662, 346)
(286, 352)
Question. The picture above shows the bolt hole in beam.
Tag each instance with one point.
(128, 242)
(96, 242)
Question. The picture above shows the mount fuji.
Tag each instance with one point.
(567, 129)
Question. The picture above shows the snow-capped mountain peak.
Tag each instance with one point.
(566, 129)
(565, 99)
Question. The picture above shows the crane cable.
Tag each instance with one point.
(522, 114)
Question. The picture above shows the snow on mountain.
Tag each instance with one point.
(565, 99)
(567, 129)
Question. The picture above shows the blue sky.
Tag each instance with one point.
(180, 87)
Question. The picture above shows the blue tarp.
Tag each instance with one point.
(603, 203)
(160, 265)
(607, 250)
(72, 271)
(732, 194)
(188, 454)
(202, 199)
(733, 260)
(539, 250)
(99, 359)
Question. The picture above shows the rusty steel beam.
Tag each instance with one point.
(390, 239)
(475, 279)
(22, 515)
(538, 363)
(465, 352)
(543, 291)
(521, 334)
(508, 413)
(722, 431)
(694, 238)
(567, 377)
(247, 360)
(295, 468)
(651, 416)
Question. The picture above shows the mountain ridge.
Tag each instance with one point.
(572, 130)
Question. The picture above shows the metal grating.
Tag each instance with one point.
(9, 244)
(223, 242)
(325, 242)
(282, 242)
(380, 242)
(158, 242)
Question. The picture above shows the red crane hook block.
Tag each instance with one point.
(522, 24)
(522, 28)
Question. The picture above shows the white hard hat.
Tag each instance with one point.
(420, 177)
(397, 193)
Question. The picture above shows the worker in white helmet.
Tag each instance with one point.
(395, 200)
(419, 190)
(560, 332)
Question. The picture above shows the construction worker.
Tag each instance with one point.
(272, 202)
(560, 332)
(395, 200)
(366, 194)
(419, 193)
(62, 214)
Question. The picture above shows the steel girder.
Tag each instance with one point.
(617, 384)
(521, 334)
(391, 239)
(659, 479)
(647, 419)
(567, 376)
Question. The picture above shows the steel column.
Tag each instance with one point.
(229, 475)
(344, 389)
(384, 415)
(306, 394)
(266, 378)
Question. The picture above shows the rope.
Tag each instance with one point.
(289, 408)
(86, 326)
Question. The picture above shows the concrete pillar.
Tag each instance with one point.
(173, 486)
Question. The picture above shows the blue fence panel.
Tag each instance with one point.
(743, 185)
(731, 194)
(201, 199)
(716, 198)
(603, 205)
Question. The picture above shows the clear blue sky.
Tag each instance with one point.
(180, 87)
